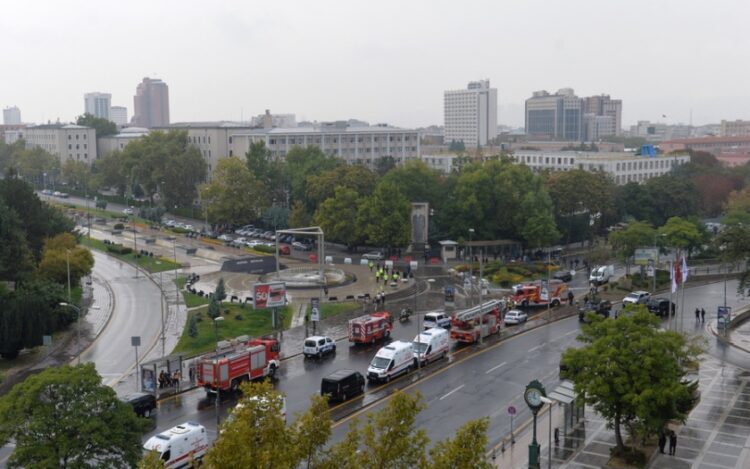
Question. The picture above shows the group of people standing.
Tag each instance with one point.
(386, 273)
(672, 437)
(700, 315)
(168, 381)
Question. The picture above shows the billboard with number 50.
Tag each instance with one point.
(269, 295)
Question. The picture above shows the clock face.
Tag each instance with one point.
(533, 397)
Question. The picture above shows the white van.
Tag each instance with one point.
(392, 360)
(601, 274)
(430, 345)
(437, 319)
(180, 445)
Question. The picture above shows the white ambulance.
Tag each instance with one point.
(431, 345)
(390, 361)
(181, 445)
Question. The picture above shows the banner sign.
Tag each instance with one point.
(269, 295)
(643, 255)
(315, 306)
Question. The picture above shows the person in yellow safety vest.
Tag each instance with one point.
(385, 278)
(370, 265)
(377, 276)
(395, 277)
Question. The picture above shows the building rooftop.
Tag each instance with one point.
(688, 141)
(59, 126)
(209, 125)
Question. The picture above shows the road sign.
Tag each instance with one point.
(315, 306)
(269, 295)
(135, 341)
(511, 410)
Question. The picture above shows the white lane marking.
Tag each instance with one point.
(451, 392)
(536, 348)
(571, 332)
(495, 368)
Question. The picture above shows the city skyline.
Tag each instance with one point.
(320, 63)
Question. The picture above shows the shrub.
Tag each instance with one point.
(119, 249)
(119, 226)
(193, 327)
(178, 230)
(631, 456)
(238, 317)
(266, 249)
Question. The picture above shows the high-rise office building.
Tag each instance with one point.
(97, 104)
(471, 114)
(151, 104)
(11, 116)
(564, 116)
(119, 115)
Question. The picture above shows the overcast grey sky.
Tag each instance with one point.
(381, 61)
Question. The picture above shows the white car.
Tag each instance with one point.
(318, 345)
(636, 298)
(515, 316)
(225, 237)
(373, 256)
(128, 211)
(239, 242)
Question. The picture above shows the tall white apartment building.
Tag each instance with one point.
(66, 142)
(97, 104)
(471, 114)
(119, 115)
(11, 116)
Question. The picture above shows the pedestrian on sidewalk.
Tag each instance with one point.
(377, 276)
(662, 441)
(703, 315)
(370, 265)
(672, 443)
(697, 314)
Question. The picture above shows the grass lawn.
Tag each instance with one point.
(332, 309)
(254, 323)
(191, 299)
(152, 264)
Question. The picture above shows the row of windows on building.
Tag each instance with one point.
(317, 140)
(649, 164)
(198, 139)
(78, 156)
(70, 137)
(78, 146)
(547, 160)
(349, 153)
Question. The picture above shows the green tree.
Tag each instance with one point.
(299, 216)
(357, 177)
(16, 262)
(457, 146)
(256, 436)
(180, 177)
(110, 171)
(636, 235)
(540, 228)
(631, 371)
(234, 195)
(151, 460)
(385, 217)
(193, 326)
(417, 182)
(337, 216)
(682, 234)
(77, 174)
(103, 127)
(214, 308)
(465, 450)
(8, 152)
(221, 292)
(384, 164)
(60, 256)
(301, 163)
(580, 192)
(33, 163)
(633, 202)
(672, 195)
(734, 243)
(65, 417)
(268, 170)
(277, 217)
(313, 429)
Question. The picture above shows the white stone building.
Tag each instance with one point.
(119, 115)
(67, 142)
(470, 115)
(11, 116)
(97, 104)
(106, 145)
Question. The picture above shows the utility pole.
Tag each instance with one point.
(481, 288)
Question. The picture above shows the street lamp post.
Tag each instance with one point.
(78, 327)
(419, 327)
(216, 381)
(549, 440)
(471, 265)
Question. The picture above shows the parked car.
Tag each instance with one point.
(225, 237)
(602, 307)
(515, 316)
(238, 243)
(128, 211)
(143, 403)
(563, 275)
(636, 298)
(317, 346)
(342, 384)
(301, 246)
(373, 256)
(660, 306)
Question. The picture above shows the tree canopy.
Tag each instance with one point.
(234, 195)
(631, 371)
(103, 127)
(65, 417)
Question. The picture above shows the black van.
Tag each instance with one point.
(143, 403)
(342, 384)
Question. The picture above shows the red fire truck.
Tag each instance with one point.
(480, 321)
(370, 327)
(538, 294)
(241, 360)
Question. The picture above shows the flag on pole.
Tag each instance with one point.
(684, 271)
(674, 274)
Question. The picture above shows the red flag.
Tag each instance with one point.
(677, 275)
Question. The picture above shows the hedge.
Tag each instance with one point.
(119, 249)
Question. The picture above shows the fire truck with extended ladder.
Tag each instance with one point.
(469, 325)
(242, 359)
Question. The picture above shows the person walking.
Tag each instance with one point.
(703, 315)
(672, 443)
(370, 265)
(662, 441)
(697, 314)
(377, 276)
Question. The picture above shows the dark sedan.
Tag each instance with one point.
(660, 306)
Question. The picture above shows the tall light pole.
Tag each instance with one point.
(218, 391)
(419, 327)
(471, 265)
